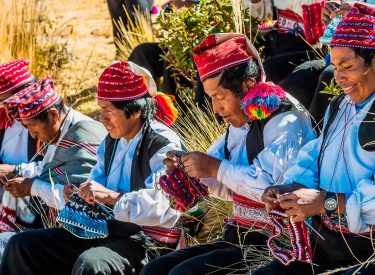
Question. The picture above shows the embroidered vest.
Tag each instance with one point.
(246, 212)
(150, 143)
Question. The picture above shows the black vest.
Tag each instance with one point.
(150, 143)
(254, 138)
(31, 147)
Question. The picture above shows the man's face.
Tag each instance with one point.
(355, 78)
(116, 122)
(225, 103)
(47, 131)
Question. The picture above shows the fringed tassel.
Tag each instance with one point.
(165, 110)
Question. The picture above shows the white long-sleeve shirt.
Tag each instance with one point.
(14, 150)
(283, 137)
(346, 167)
(147, 206)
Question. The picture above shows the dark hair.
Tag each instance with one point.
(144, 104)
(233, 78)
(59, 106)
(366, 54)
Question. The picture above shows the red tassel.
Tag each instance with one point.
(165, 110)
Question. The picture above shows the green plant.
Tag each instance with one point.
(181, 31)
(332, 88)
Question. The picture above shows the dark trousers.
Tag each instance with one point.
(221, 257)
(335, 251)
(57, 251)
(116, 10)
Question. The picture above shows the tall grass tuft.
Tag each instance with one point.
(27, 32)
(133, 34)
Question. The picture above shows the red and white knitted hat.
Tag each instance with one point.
(356, 29)
(125, 80)
(14, 74)
(33, 100)
(221, 51)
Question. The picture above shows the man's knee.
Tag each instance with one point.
(99, 260)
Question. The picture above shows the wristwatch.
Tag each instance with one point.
(330, 203)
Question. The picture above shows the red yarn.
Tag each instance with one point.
(165, 110)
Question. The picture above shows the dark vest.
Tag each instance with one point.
(150, 143)
(254, 138)
(31, 146)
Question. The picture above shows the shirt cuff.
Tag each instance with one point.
(53, 197)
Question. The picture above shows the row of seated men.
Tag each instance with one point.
(270, 163)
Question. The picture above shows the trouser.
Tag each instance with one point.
(335, 251)
(57, 251)
(221, 257)
(116, 10)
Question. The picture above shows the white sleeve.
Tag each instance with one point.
(360, 207)
(149, 206)
(215, 188)
(283, 135)
(32, 169)
(97, 173)
(52, 196)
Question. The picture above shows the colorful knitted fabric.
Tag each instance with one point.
(356, 29)
(312, 20)
(289, 22)
(14, 74)
(84, 220)
(33, 100)
(126, 81)
(183, 191)
(15, 214)
(330, 30)
(261, 101)
(221, 51)
(5, 120)
(299, 239)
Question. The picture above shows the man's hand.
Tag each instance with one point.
(171, 162)
(19, 187)
(200, 165)
(271, 194)
(332, 9)
(68, 191)
(93, 192)
(303, 203)
(6, 169)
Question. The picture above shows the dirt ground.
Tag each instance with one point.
(86, 27)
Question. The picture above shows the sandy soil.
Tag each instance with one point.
(86, 27)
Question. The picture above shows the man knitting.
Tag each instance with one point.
(129, 163)
(253, 154)
(70, 142)
(338, 167)
(15, 77)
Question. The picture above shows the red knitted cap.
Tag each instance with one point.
(356, 29)
(14, 74)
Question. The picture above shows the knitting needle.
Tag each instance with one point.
(313, 229)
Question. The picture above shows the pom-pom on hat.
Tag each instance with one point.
(261, 101)
(33, 100)
(221, 51)
(125, 81)
(14, 74)
(356, 29)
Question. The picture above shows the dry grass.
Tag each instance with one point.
(27, 32)
(134, 34)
